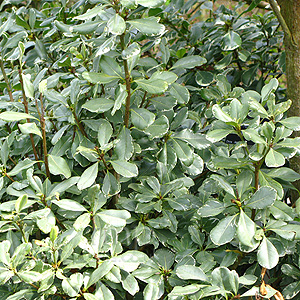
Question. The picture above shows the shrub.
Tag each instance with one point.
(144, 153)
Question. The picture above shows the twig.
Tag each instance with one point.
(6, 81)
(25, 103)
(128, 85)
(262, 4)
(43, 127)
(144, 99)
(79, 124)
(282, 22)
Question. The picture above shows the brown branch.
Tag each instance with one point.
(128, 84)
(6, 81)
(261, 5)
(282, 22)
(79, 124)
(25, 103)
(144, 99)
(9, 177)
(43, 127)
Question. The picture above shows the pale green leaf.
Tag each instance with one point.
(58, 166)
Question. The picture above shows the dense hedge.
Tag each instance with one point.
(144, 152)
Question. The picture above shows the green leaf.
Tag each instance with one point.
(158, 128)
(186, 272)
(100, 272)
(53, 233)
(124, 146)
(291, 290)
(110, 66)
(289, 142)
(46, 223)
(120, 99)
(125, 168)
(30, 276)
(253, 4)
(99, 105)
(183, 151)
(58, 166)
(231, 41)
(21, 203)
(131, 51)
(281, 210)
(224, 62)
(268, 89)
(189, 62)
(180, 93)
(163, 103)
(252, 135)
(130, 260)
(185, 290)
(223, 184)
(274, 159)
(165, 258)
(103, 293)
(91, 13)
(85, 28)
(292, 123)
(197, 140)
(246, 229)
(12, 116)
(267, 254)
(167, 76)
(105, 132)
(116, 25)
(71, 286)
(22, 165)
(218, 134)
(262, 198)
(88, 296)
(148, 26)
(151, 292)
(88, 177)
(243, 182)
(82, 222)
(130, 284)
(68, 204)
(142, 118)
(211, 208)
(18, 295)
(152, 86)
(225, 279)
(28, 86)
(225, 230)
(288, 232)
(100, 78)
(285, 174)
(204, 78)
(110, 185)
(4, 255)
(106, 46)
(116, 218)
(220, 114)
(151, 3)
(28, 128)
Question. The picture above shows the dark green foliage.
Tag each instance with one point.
(144, 152)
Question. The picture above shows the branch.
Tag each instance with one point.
(282, 22)
(79, 124)
(261, 5)
(43, 127)
(6, 81)
(128, 85)
(25, 103)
